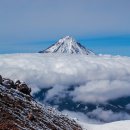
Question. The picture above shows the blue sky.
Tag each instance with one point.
(30, 25)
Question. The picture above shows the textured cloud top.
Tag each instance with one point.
(100, 78)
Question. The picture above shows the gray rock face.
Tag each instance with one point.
(0, 79)
(20, 86)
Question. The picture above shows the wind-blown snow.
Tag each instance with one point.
(101, 78)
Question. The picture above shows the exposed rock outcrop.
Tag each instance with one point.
(20, 86)
(19, 111)
(0, 79)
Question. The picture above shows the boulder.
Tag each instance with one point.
(1, 79)
(17, 82)
(8, 83)
(30, 117)
(22, 87)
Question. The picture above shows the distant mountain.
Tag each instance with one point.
(67, 45)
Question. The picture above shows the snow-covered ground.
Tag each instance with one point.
(119, 125)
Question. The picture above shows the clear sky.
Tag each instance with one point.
(32, 25)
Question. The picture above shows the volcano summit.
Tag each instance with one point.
(67, 45)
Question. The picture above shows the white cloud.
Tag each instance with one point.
(57, 90)
(119, 125)
(128, 106)
(101, 90)
(108, 115)
(98, 116)
(100, 78)
(78, 116)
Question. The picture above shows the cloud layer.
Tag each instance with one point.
(100, 78)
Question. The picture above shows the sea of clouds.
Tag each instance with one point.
(101, 78)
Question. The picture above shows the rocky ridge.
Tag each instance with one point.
(19, 111)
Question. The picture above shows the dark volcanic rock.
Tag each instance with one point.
(0, 79)
(20, 86)
(19, 111)
(24, 88)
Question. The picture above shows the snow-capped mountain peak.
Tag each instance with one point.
(67, 45)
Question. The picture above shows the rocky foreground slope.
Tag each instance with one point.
(19, 111)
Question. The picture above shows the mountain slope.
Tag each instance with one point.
(67, 45)
(19, 111)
